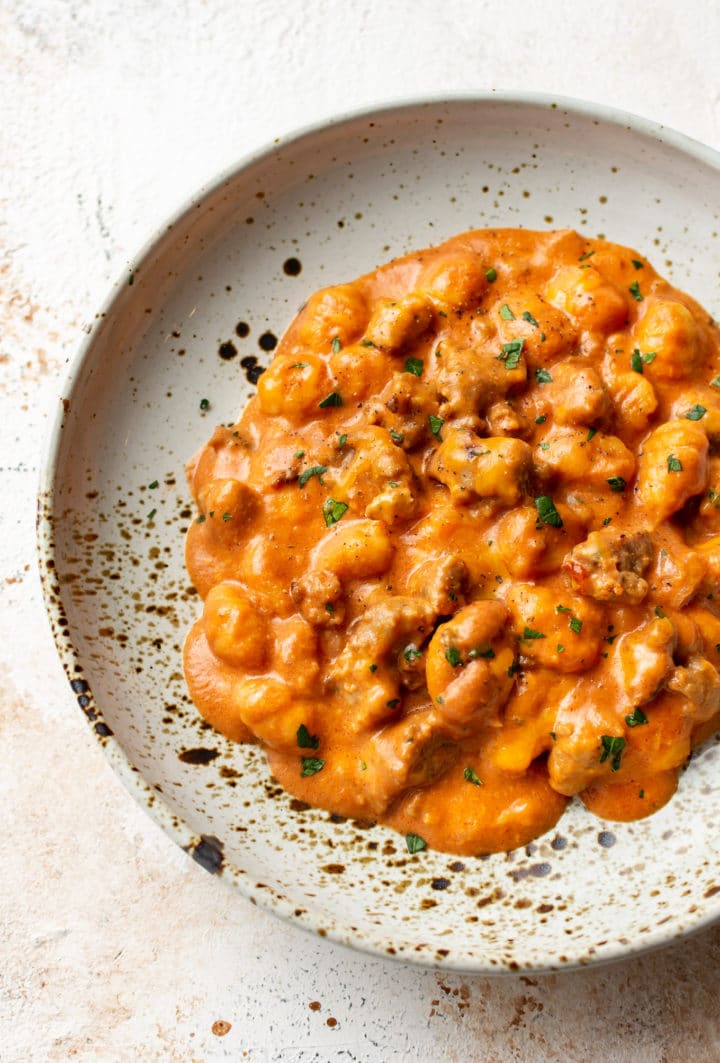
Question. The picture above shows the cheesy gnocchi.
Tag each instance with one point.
(460, 555)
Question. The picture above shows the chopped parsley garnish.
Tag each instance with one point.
(696, 412)
(659, 612)
(153, 485)
(530, 633)
(415, 843)
(591, 433)
(414, 366)
(151, 514)
(373, 668)
(527, 316)
(305, 740)
(453, 657)
(363, 766)
(441, 313)
(674, 464)
(329, 607)
(606, 521)
(638, 360)
(333, 511)
(612, 747)
(311, 766)
(436, 424)
(510, 353)
(412, 653)
(562, 609)
(469, 775)
(367, 343)
(227, 516)
(715, 382)
(393, 703)
(491, 274)
(336, 345)
(544, 446)
(201, 519)
(637, 263)
(204, 404)
(576, 624)
(314, 470)
(560, 648)
(543, 377)
(635, 718)
(547, 512)
(541, 419)
(300, 454)
(486, 652)
(617, 484)
(397, 437)
(333, 399)
(506, 313)
(342, 440)
(634, 290)
(300, 365)
(588, 254)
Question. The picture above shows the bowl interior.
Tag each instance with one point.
(199, 312)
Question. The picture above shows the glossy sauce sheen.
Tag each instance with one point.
(460, 556)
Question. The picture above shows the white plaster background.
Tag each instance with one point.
(113, 944)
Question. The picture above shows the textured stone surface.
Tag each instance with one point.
(113, 945)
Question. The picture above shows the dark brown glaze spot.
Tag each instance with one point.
(220, 1027)
(712, 891)
(242, 329)
(208, 853)
(440, 883)
(103, 730)
(79, 686)
(559, 843)
(607, 839)
(268, 341)
(314, 1005)
(331, 1022)
(198, 756)
(227, 351)
(334, 869)
(292, 267)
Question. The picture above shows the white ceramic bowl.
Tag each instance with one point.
(338, 200)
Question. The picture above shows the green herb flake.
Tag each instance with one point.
(131, 278)
(587, 255)
(342, 440)
(333, 511)
(553, 735)
(453, 657)
(227, 516)
(469, 775)
(696, 412)
(436, 424)
(617, 484)
(333, 399)
(612, 748)
(715, 382)
(329, 607)
(151, 514)
(485, 652)
(530, 633)
(363, 766)
(204, 404)
(506, 313)
(637, 263)
(491, 275)
(543, 377)
(300, 454)
(414, 366)
(393, 703)
(510, 353)
(674, 464)
(415, 843)
(636, 361)
(336, 345)
(153, 485)
(634, 290)
(562, 609)
(305, 740)
(367, 343)
(300, 365)
(527, 316)
(441, 313)
(641, 794)
(412, 653)
(560, 648)
(201, 519)
(544, 446)
(311, 766)
(659, 612)
(576, 624)
(637, 717)
(373, 668)
(397, 437)
(591, 432)
(606, 521)
(314, 470)
(547, 511)
(541, 419)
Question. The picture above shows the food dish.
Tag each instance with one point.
(133, 409)
(458, 555)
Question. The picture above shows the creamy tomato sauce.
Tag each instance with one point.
(460, 555)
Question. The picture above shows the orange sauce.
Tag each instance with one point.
(460, 555)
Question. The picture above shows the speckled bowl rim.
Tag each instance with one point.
(314, 920)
